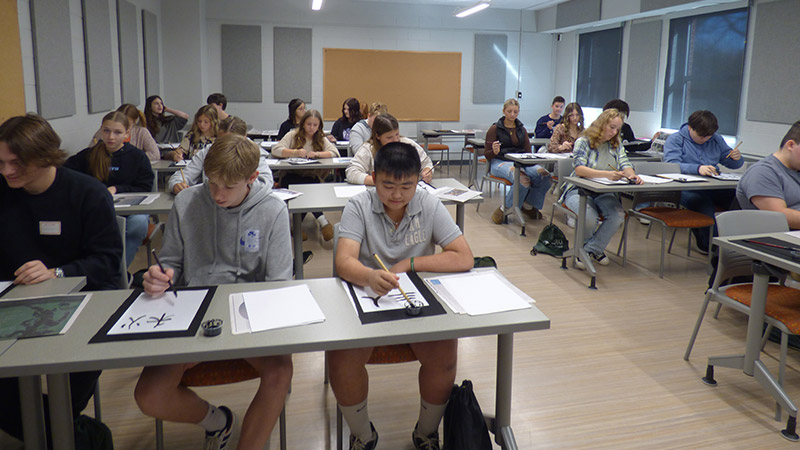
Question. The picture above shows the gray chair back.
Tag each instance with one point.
(735, 223)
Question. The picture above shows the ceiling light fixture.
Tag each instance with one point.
(316, 5)
(466, 11)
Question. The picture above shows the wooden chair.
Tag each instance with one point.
(215, 373)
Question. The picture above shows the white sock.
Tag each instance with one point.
(322, 220)
(429, 417)
(214, 420)
(357, 418)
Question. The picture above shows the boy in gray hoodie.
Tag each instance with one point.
(229, 229)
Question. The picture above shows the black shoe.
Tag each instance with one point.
(430, 442)
(307, 255)
(357, 444)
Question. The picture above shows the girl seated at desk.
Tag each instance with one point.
(568, 131)
(203, 133)
(164, 128)
(122, 168)
(139, 136)
(351, 114)
(297, 108)
(307, 141)
(509, 135)
(599, 154)
(385, 129)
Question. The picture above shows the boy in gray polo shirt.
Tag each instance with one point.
(402, 225)
(773, 184)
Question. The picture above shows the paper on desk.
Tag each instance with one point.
(5, 285)
(286, 194)
(163, 313)
(459, 195)
(365, 296)
(40, 316)
(133, 198)
(728, 176)
(609, 181)
(343, 159)
(301, 161)
(431, 189)
(273, 161)
(653, 179)
(794, 234)
(477, 293)
(681, 177)
(348, 191)
(181, 163)
(280, 308)
(554, 155)
(342, 142)
(522, 155)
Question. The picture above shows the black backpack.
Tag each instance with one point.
(464, 425)
(551, 242)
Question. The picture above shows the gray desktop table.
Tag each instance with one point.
(161, 205)
(587, 187)
(478, 146)
(427, 135)
(322, 197)
(54, 286)
(340, 145)
(56, 356)
(163, 169)
(764, 265)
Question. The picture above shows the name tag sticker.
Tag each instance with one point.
(50, 228)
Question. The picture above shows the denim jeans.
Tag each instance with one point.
(534, 194)
(135, 232)
(596, 238)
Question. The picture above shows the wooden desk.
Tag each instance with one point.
(764, 263)
(322, 197)
(56, 356)
(587, 187)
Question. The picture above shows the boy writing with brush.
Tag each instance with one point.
(403, 226)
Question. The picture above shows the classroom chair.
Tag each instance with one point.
(215, 373)
(563, 170)
(499, 181)
(152, 229)
(783, 303)
(663, 209)
(469, 148)
(434, 144)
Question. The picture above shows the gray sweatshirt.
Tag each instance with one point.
(359, 134)
(207, 244)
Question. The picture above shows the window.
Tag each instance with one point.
(704, 68)
(598, 67)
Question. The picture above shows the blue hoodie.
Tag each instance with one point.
(680, 148)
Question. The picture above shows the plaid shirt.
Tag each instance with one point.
(584, 155)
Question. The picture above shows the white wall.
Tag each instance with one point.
(76, 131)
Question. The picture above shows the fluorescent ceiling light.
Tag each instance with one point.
(316, 5)
(464, 12)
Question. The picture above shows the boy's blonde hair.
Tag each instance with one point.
(232, 158)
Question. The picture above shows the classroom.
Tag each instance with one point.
(604, 367)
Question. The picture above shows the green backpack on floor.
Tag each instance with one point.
(551, 242)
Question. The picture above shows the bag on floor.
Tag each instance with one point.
(484, 261)
(464, 426)
(551, 242)
(91, 434)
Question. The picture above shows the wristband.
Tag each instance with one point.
(412, 264)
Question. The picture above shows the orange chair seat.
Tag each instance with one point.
(783, 303)
(390, 354)
(678, 218)
(438, 147)
(214, 373)
(500, 180)
(151, 227)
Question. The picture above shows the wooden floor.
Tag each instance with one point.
(608, 374)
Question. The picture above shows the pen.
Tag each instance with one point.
(171, 287)
(768, 244)
(616, 170)
(377, 258)
(182, 176)
(734, 149)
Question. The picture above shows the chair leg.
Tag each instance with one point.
(622, 238)
(697, 326)
(672, 239)
(283, 428)
(325, 369)
(663, 245)
(339, 428)
(649, 227)
(765, 337)
(98, 414)
(781, 370)
(159, 434)
(719, 308)
(689, 243)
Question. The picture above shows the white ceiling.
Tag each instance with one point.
(502, 4)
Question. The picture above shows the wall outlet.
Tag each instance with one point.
(519, 95)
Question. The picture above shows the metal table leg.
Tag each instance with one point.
(32, 411)
(60, 402)
(297, 238)
(504, 435)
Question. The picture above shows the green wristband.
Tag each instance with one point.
(412, 264)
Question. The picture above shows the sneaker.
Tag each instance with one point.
(218, 440)
(307, 255)
(327, 232)
(357, 444)
(571, 222)
(644, 221)
(430, 442)
(701, 250)
(579, 264)
(600, 259)
(498, 216)
(533, 213)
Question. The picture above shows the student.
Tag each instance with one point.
(297, 108)
(54, 222)
(193, 172)
(307, 141)
(122, 168)
(509, 135)
(208, 241)
(773, 184)
(625, 111)
(599, 154)
(220, 102)
(546, 123)
(403, 226)
(164, 128)
(699, 150)
(362, 130)
(202, 134)
(385, 129)
(351, 114)
(139, 136)
(568, 131)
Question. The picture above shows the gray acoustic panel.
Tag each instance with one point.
(292, 63)
(128, 52)
(52, 58)
(152, 73)
(97, 49)
(651, 5)
(644, 49)
(489, 69)
(772, 93)
(576, 12)
(241, 63)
